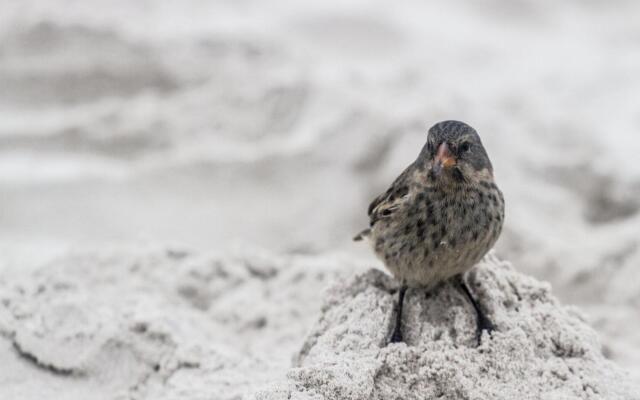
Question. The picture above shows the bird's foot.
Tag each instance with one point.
(484, 324)
(397, 335)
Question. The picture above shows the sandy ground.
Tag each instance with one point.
(150, 323)
(221, 124)
(169, 323)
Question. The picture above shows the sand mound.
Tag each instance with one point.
(541, 349)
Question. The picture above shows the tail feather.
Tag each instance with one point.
(362, 235)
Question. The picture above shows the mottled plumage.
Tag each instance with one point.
(442, 214)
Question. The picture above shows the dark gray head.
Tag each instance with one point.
(454, 150)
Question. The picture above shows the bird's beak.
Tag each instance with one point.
(443, 159)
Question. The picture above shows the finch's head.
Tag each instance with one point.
(454, 153)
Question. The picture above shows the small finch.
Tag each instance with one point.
(439, 217)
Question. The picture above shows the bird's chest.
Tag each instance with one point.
(443, 232)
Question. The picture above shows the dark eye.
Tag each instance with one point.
(464, 147)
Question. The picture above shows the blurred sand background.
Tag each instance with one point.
(218, 125)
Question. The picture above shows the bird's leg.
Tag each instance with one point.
(397, 330)
(483, 323)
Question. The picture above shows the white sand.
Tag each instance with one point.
(168, 324)
(155, 324)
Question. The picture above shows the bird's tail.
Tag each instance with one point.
(362, 235)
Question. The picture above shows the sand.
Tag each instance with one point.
(155, 324)
(540, 349)
(169, 323)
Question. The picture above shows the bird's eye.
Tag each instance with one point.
(464, 147)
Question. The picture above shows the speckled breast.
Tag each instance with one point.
(441, 234)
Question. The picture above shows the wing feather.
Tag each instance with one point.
(393, 199)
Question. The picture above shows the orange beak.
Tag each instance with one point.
(443, 159)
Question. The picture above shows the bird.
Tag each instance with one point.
(439, 217)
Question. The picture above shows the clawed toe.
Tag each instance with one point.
(396, 337)
(485, 326)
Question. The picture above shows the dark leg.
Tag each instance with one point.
(397, 330)
(483, 323)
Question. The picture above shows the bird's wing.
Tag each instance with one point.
(393, 199)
